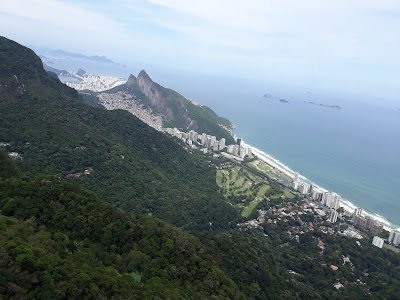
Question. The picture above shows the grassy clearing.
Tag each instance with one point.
(271, 172)
(390, 247)
(247, 210)
(244, 189)
(288, 195)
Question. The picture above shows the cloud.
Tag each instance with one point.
(303, 38)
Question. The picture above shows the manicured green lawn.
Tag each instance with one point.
(239, 182)
(265, 168)
(249, 208)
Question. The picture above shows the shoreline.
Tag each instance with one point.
(347, 205)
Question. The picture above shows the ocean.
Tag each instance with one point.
(354, 151)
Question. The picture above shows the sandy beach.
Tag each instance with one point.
(346, 206)
(269, 161)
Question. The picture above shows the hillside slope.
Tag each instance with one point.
(59, 241)
(176, 110)
(130, 164)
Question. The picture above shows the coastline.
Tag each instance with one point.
(347, 205)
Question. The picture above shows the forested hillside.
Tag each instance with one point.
(80, 197)
(60, 242)
(132, 165)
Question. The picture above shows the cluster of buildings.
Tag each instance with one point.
(332, 201)
(206, 142)
(125, 101)
(328, 199)
(366, 222)
(94, 83)
(394, 237)
(300, 185)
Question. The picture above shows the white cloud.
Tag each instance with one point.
(338, 38)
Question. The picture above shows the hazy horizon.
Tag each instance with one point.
(342, 47)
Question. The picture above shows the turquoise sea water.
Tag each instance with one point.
(354, 151)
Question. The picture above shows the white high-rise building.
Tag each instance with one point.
(333, 216)
(295, 185)
(235, 150)
(203, 139)
(221, 144)
(377, 241)
(193, 135)
(358, 211)
(304, 187)
(394, 237)
(316, 193)
(296, 176)
(229, 149)
(209, 142)
(243, 151)
(332, 200)
(335, 201)
(325, 198)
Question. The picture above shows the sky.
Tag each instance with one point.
(342, 45)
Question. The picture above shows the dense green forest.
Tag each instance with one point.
(80, 199)
(134, 166)
(59, 241)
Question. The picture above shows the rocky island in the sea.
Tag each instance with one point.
(324, 105)
(269, 96)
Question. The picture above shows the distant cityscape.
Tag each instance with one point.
(95, 83)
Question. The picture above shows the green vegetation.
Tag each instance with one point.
(371, 273)
(134, 166)
(269, 171)
(391, 248)
(60, 239)
(177, 111)
(245, 190)
(249, 259)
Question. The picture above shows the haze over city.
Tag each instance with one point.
(345, 46)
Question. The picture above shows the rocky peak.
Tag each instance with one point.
(81, 73)
(144, 76)
(150, 89)
(131, 80)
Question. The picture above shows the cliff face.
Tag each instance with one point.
(164, 101)
(131, 80)
(176, 110)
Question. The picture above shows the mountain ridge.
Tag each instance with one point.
(176, 110)
(55, 133)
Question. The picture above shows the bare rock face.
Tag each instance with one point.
(131, 80)
(81, 73)
(153, 92)
(149, 88)
(174, 109)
